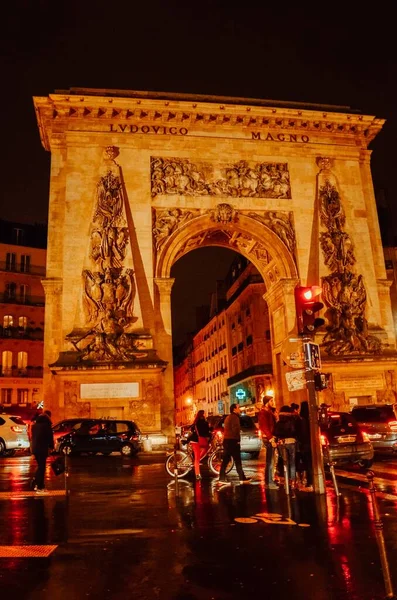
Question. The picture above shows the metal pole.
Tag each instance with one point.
(285, 467)
(379, 537)
(176, 445)
(317, 455)
(332, 469)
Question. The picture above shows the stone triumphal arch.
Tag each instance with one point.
(140, 179)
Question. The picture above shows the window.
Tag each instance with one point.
(23, 322)
(23, 292)
(25, 263)
(6, 395)
(6, 362)
(22, 396)
(8, 321)
(18, 235)
(234, 350)
(22, 361)
(240, 346)
(249, 340)
(10, 291)
(11, 261)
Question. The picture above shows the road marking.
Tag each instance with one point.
(26, 551)
(270, 519)
(20, 494)
(361, 477)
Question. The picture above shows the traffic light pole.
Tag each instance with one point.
(315, 442)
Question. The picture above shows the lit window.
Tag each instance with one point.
(22, 360)
(23, 322)
(8, 321)
(11, 258)
(6, 362)
(25, 263)
(22, 396)
(6, 395)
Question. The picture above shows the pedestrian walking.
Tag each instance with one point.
(231, 446)
(305, 446)
(199, 439)
(42, 443)
(286, 433)
(31, 423)
(267, 422)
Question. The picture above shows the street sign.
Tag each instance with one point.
(292, 352)
(296, 380)
(312, 353)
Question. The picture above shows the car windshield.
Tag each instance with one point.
(17, 420)
(341, 423)
(374, 414)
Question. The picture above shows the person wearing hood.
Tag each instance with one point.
(42, 443)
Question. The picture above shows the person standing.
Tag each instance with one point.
(42, 442)
(199, 439)
(231, 446)
(286, 433)
(267, 422)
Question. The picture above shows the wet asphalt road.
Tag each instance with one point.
(123, 532)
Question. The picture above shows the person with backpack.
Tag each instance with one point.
(286, 432)
(42, 443)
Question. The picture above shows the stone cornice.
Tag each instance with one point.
(57, 112)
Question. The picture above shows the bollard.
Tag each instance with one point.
(66, 474)
(285, 468)
(379, 537)
(331, 465)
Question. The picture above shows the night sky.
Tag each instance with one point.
(343, 56)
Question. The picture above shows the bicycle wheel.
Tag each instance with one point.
(215, 461)
(180, 461)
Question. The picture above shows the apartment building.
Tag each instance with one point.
(22, 266)
(229, 359)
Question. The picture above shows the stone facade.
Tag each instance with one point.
(289, 188)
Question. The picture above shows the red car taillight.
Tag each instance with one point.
(365, 436)
(393, 425)
(18, 429)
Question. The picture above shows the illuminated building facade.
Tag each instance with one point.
(22, 266)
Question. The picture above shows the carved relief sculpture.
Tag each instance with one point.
(166, 221)
(281, 223)
(343, 290)
(178, 176)
(109, 287)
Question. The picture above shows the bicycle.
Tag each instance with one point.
(182, 461)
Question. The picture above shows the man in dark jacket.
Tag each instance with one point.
(267, 422)
(231, 446)
(42, 442)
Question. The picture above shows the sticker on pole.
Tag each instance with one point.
(312, 353)
(296, 380)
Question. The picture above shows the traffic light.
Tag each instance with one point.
(321, 381)
(307, 305)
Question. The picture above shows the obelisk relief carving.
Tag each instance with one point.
(105, 329)
(343, 289)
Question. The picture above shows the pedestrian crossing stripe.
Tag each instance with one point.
(26, 551)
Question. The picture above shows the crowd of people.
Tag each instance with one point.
(286, 437)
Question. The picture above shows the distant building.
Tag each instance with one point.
(229, 359)
(22, 266)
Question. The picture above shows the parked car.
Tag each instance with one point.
(66, 426)
(379, 421)
(344, 442)
(101, 435)
(13, 435)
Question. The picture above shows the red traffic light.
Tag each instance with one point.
(307, 305)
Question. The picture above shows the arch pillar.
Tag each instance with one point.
(162, 303)
(281, 303)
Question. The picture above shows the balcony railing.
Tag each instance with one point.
(30, 333)
(7, 298)
(25, 269)
(16, 372)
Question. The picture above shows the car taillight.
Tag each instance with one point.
(18, 429)
(365, 436)
(323, 440)
(393, 425)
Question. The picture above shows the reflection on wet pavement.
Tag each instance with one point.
(124, 532)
